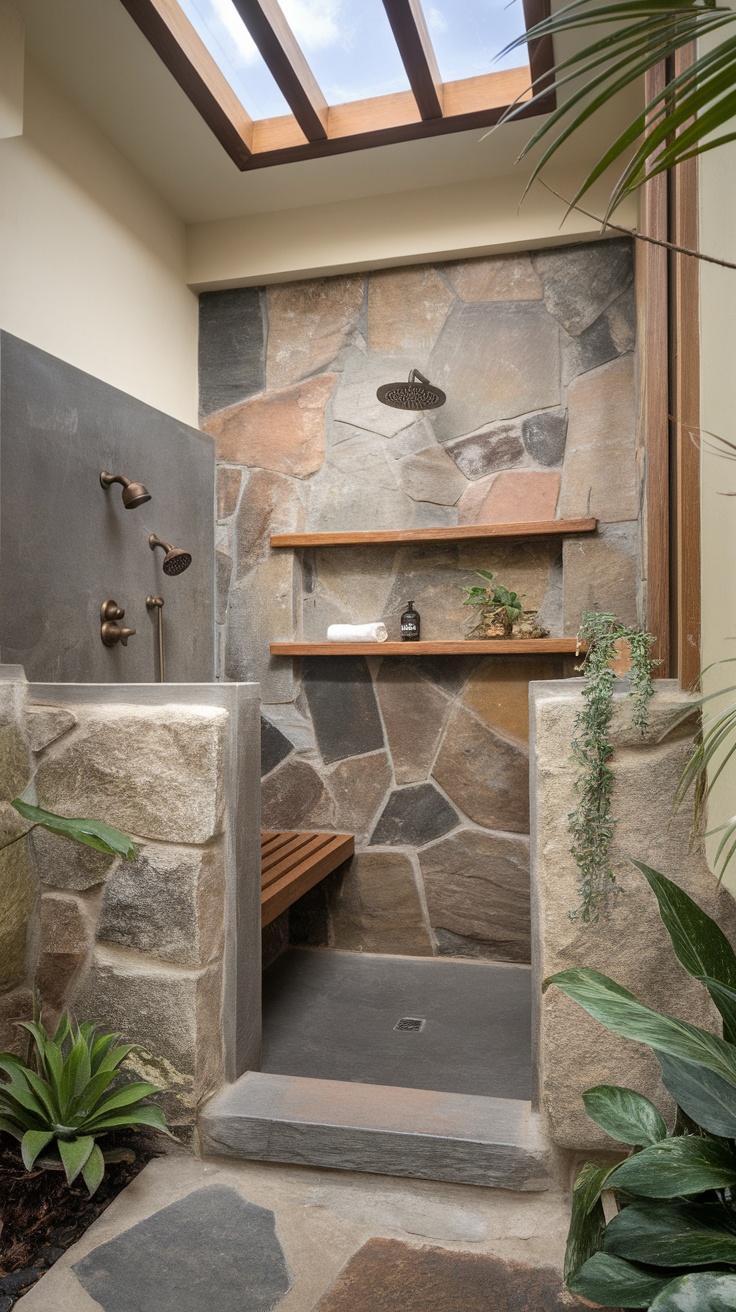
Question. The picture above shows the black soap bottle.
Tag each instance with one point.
(410, 624)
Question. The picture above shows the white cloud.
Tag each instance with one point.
(315, 22)
(436, 21)
(235, 29)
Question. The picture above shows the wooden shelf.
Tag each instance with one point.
(538, 528)
(489, 647)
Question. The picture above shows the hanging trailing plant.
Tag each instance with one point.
(590, 824)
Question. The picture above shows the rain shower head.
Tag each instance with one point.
(417, 394)
(176, 559)
(134, 494)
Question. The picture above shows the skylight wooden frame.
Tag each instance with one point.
(315, 129)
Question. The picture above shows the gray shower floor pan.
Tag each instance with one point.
(332, 1016)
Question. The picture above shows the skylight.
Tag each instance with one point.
(467, 35)
(349, 47)
(229, 42)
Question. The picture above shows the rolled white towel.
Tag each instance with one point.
(357, 633)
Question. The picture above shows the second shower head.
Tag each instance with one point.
(134, 494)
(176, 559)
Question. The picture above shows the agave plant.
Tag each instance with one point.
(690, 115)
(671, 1246)
(66, 1104)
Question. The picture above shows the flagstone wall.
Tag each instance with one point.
(426, 760)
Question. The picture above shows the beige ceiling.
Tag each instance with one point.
(93, 50)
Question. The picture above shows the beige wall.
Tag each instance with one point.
(92, 265)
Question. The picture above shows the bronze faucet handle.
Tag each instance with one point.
(125, 634)
(109, 610)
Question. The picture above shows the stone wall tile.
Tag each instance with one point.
(223, 575)
(477, 888)
(499, 447)
(359, 487)
(413, 816)
(293, 796)
(231, 348)
(487, 776)
(499, 278)
(169, 902)
(62, 863)
(377, 908)
(427, 575)
(343, 707)
(580, 282)
(167, 785)
(275, 746)
(498, 691)
(406, 309)
(494, 362)
(358, 579)
(601, 573)
(356, 403)
(594, 347)
(67, 933)
(229, 480)
(261, 610)
(14, 1007)
(545, 435)
(413, 713)
(18, 889)
(621, 317)
(359, 785)
(283, 431)
(308, 324)
(513, 496)
(427, 514)
(600, 475)
(525, 567)
(44, 724)
(432, 476)
(270, 504)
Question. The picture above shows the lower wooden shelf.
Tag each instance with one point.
(490, 647)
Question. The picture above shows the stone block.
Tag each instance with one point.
(580, 282)
(15, 762)
(357, 579)
(355, 402)
(377, 908)
(231, 348)
(499, 278)
(427, 575)
(406, 309)
(413, 712)
(427, 514)
(18, 891)
(164, 780)
(545, 435)
(594, 347)
(275, 746)
(498, 691)
(495, 362)
(67, 934)
(171, 1013)
(62, 863)
(432, 476)
(621, 318)
(283, 431)
(601, 573)
(308, 324)
(487, 776)
(343, 707)
(499, 447)
(223, 575)
(270, 504)
(359, 487)
(359, 785)
(413, 816)
(294, 795)
(169, 902)
(44, 724)
(600, 474)
(15, 1007)
(513, 496)
(229, 481)
(477, 887)
(263, 602)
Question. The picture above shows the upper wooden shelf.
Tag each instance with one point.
(463, 647)
(537, 528)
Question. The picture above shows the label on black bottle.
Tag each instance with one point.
(410, 625)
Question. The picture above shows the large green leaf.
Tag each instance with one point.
(622, 1013)
(93, 1170)
(33, 1143)
(93, 833)
(671, 1234)
(74, 1153)
(612, 1280)
(625, 1114)
(708, 1099)
(126, 1096)
(703, 1291)
(675, 1167)
(146, 1114)
(11, 1127)
(587, 1223)
(700, 945)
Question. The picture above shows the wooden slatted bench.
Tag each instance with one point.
(292, 863)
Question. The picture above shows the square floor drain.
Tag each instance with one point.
(410, 1023)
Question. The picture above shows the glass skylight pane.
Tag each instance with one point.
(349, 47)
(229, 42)
(467, 35)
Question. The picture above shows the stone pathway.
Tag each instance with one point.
(217, 1236)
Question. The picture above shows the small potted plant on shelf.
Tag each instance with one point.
(498, 610)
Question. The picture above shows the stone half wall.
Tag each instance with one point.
(574, 1052)
(142, 947)
(426, 761)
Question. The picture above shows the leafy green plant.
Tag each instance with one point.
(495, 603)
(63, 1103)
(671, 1246)
(590, 824)
(93, 833)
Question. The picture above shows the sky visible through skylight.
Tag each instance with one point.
(350, 48)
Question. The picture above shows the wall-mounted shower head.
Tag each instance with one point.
(417, 394)
(134, 494)
(176, 559)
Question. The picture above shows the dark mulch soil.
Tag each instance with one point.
(41, 1215)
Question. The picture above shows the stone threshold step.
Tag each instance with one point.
(495, 1142)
